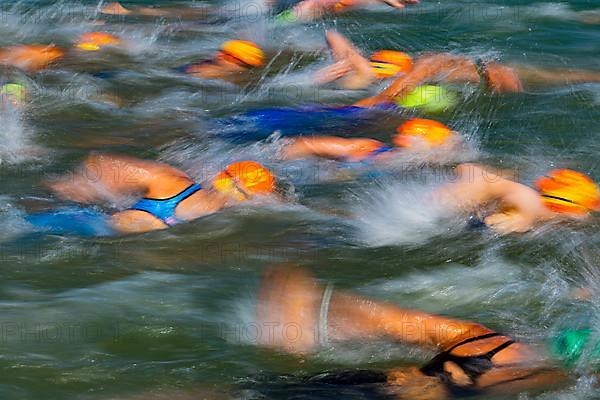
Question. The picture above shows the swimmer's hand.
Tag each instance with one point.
(411, 383)
(505, 223)
(398, 3)
(332, 72)
(115, 9)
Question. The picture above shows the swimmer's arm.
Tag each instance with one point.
(343, 50)
(426, 69)
(523, 209)
(327, 147)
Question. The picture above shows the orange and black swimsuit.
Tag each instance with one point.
(473, 366)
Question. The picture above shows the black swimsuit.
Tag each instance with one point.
(473, 366)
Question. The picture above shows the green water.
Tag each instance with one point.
(99, 318)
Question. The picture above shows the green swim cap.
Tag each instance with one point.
(15, 90)
(429, 98)
(570, 344)
(287, 17)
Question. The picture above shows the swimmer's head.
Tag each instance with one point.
(569, 192)
(420, 131)
(33, 57)
(389, 63)
(94, 41)
(244, 179)
(570, 345)
(241, 53)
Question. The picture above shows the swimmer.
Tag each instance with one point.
(235, 58)
(472, 359)
(118, 9)
(354, 71)
(95, 41)
(35, 58)
(168, 195)
(508, 206)
(496, 77)
(414, 135)
(312, 10)
(30, 58)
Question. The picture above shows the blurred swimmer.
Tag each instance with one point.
(312, 10)
(235, 58)
(414, 135)
(508, 206)
(353, 71)
(35, 58)
(195, 13)
(444, 67)
(95, 41)
(473, 359)
(169, 195)
(30, 58)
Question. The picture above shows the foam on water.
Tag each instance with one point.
(399, 213)
(16, 137)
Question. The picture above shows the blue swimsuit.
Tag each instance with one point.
(382, 149)
(164, 209)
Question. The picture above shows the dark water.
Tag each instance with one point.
(167, 311)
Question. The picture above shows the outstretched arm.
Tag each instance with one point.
(330, 147)
(426, 69)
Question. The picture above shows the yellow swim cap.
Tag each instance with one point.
(94, 41)
(244, 179)
(432, 132)
(245, 53)
(388, 63)
(569, 192)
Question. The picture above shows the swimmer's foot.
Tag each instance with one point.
(115, 9)
(287, 309)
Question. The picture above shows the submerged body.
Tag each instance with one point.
(473, 359)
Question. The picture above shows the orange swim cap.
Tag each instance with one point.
(432, 132)
(94, 41)
(388, 63)
(569, 192)
(31, 57)
(245, 53)
(244, 179)
(342, 5)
